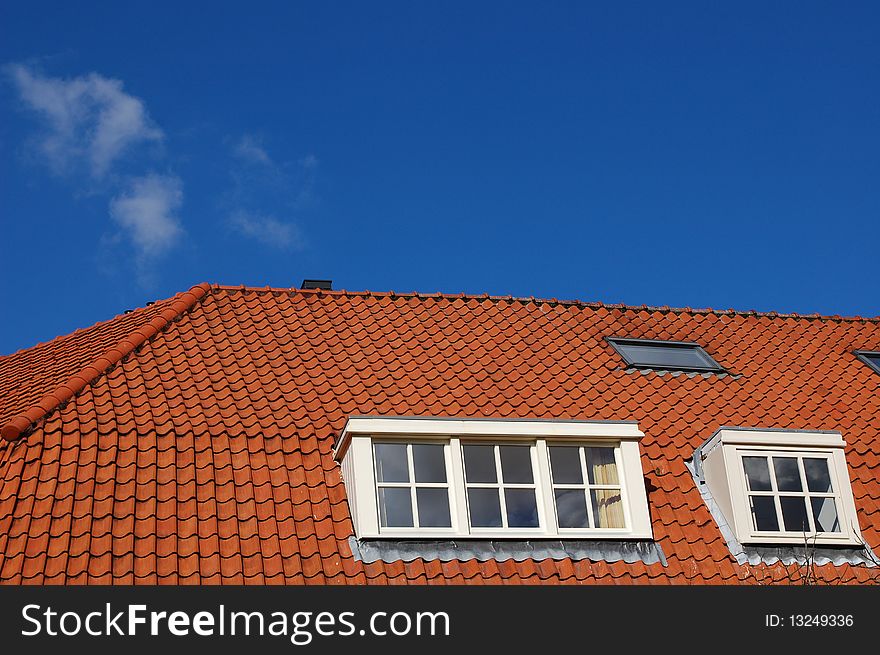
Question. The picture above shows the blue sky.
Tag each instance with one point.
(658, 153)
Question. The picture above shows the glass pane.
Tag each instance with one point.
(788, 478)
(666, 355)
(516, 464)
(485, 507)
(818, 477)
(565, 462)
(757, 474)
(825, 515)
(433, 508)
(479, 464)
(601, 468)
(873, 360)
(429, 463)
(794, 513)
(571, 508)
(395, 508)
(522, 510)
(391, 463)
(607, 508)
(764, 512)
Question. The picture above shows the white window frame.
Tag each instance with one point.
(413, 486)
(502, 486)
(723, 466)
(587, 486)
(355, 451)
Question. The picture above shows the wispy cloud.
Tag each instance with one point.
(250, 149)
(309, 162)
(87, 119)
(93, 132)
(266, 229)
(262, 189)
(147, 212)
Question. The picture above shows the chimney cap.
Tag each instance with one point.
(324, 285)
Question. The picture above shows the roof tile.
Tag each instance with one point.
(191, 441)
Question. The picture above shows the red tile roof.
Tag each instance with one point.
(191, 441)
(48, 365)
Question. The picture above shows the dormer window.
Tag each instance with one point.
(487, 479)
(665, 355)
(782, 487)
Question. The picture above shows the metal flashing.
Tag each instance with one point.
(753, 555)
(677, 372)
(393, 550)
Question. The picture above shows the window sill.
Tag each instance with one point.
(801, 540)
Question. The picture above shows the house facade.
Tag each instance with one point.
(234, 435)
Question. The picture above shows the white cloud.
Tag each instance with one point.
(147, 212)
(88, 118)
(250, 149)
(266, 229)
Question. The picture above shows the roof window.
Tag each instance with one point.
(665, 355)
(872, 359)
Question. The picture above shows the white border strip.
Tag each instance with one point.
(414, 426)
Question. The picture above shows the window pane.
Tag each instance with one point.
(601, 467)
(522, 510)
(433, 508)
(607, 508)
(485, 507)
(391, 463)
(871, 359)
(788, 478)
(429, 463)
(825, 515)
(794, 513)
(395, 508)
(565, 461)
(667, 355)
(818, 477)
(516, 464)
(479, 464)
(764, 512)
(757, 474)
(571, 508)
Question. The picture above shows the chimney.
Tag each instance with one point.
(324, 285)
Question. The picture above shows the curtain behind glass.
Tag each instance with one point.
(607, 503)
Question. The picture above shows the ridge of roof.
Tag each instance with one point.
(81, 330)
(550, 301)
(23, 422)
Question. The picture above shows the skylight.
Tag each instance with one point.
(665, 355)
(872, 359)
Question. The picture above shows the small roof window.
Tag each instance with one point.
(665, 355)
(872, 359)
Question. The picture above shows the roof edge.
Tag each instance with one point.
(63, 393)
(549, 301)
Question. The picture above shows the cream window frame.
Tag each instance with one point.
(724, 473)
(355, 452)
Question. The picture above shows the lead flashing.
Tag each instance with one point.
(393, 550)
(754, 555)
